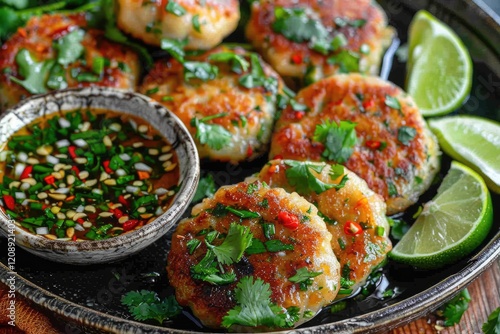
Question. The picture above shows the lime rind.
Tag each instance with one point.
(443, 233)
(474, 141)
(439, 66)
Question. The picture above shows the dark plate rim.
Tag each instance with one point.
(386, 318)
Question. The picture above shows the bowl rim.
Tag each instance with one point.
(179, 204)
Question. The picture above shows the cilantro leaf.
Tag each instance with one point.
(406, 134)
(175, 48)
(257, 77)
(392, 102)
(254, 307)
(231, 250)
(199, 70)
(256, 247)
(238, 62)
(492, 326)
(304, 277)
(347, 60)
(206, 188)
(35, 73)
(57, 78)
(304, 181)
(145, 305)
(174, 8)
(213, 135)
(456, 307)
(398, 228)
(297, 26)
(69, 47)
(339, 139)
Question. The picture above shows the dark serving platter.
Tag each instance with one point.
(85, 299)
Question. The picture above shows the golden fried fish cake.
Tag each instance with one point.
(230, 115)
(289, 250)
(59, 52)
(204, 23)
(312, 39)
(394, 152)
(354, 214)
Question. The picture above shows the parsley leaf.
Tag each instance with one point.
(231, 250)
(69, 47)
(456, 307)
(213, 135)
(339, 139)
(174, 8)
(254, 307)
(206, 188)
(406, 134)
(35, 73)
(304, 277)
(492, 326)
(304, 181)
(146, 305)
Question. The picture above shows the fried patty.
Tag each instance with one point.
(312, 39)
(301, 244)
(204, 23)
(394, 151)
(46, 48)
(354, 214)
(230, 115)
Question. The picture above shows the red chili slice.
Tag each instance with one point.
(249, 151)
(26, 172)
(368, 104)
(118, 213)
(297, 58)
(49, 179)
(123, 200)
(105, 164)
(288, 220)
(352, 228)
(130, 224)
(71, 151)
(373, 144)
(9, 201)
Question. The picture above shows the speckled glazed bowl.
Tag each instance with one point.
(101, 251)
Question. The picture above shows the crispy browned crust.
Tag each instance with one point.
(149, 21)
(38, 36)
(410, 168)
(280, 52)
(311, 243)
(354, 202)
(257, 106)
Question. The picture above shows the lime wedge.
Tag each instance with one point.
(451, 225)
(439, 74)
(474, 141)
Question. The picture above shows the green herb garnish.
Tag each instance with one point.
(146, 305)
(339, 139)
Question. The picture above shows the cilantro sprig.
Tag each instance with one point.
(454, 309)
(254, 307)
(146, 305)
(301, 177)
(492, 325)
(304, 277)
(213, 135)
(206, 188)
(339, 139)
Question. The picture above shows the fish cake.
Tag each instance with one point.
(393, 149)
(354, 214)
(61, 52)
(288, 239)
(204, 23)
(313, 39)
(230, 115)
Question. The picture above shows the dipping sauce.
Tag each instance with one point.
(87, 175)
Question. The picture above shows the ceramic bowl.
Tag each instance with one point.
(108, 250)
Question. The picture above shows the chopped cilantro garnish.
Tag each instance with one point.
(406, 134)
(257, 77)
(455, 308)
(254, 307)
(174, 8)
(297, 26)
(492, 326)
(213, 135)
(304, 277)
(145, 305)
(232, 248)
(206, 188)
(69, 47)
(348, 61)
(238, 63)
(192, 245)
(339, 139)
(35, 73)
(243, 213)
(276, 245)
(301, 177)
(392, 102)
(252, 187)
(398, 228)
(199, 70)
(196, 23)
